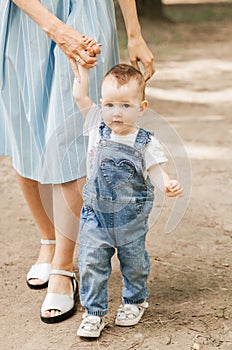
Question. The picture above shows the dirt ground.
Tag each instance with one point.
(190, 282)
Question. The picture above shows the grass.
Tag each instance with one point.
(199, 13)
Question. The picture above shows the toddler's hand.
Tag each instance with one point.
(93, 48)
(174, 189)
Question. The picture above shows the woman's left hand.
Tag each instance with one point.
(139, 52)
(75, 47)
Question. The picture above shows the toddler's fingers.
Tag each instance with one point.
(96, 49)
(92, 48)
(173, 183)
(179, 192)
(175, 192)
(173, 188)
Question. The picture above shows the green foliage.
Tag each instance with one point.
(199, 12)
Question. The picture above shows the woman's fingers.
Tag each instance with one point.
(149, 69)
(134, 63)
(139, 52)
(89, 60)
(86, 56)
(75, 62)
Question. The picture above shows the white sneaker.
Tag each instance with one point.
(130, 314)
(91, 326)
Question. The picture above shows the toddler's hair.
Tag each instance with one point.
(123, 73)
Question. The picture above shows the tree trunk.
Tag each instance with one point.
(150, 8)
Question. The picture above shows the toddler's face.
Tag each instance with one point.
(121, 105)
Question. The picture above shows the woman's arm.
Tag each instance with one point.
(39, 14)
(138, 50)
(67, 38)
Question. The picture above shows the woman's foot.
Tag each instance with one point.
(38, 275)
(60, 285)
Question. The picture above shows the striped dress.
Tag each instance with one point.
(40, 125)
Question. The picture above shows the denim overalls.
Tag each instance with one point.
(117, 203)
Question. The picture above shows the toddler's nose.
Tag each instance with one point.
(117, 111)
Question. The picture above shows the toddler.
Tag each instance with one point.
(123, 165)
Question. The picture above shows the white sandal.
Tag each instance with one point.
(91, 326)
(40, 271)
(130, 314)
(63, 303)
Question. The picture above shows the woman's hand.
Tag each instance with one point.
(67, 38)
(78, 48)
(139, 52)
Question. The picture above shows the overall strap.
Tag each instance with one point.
(104, 131)
(142, 139)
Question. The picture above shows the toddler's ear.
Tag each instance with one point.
(101, 101)
(143, 106)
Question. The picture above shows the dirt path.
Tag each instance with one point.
(191, 278)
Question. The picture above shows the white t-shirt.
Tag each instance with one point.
(153, 152)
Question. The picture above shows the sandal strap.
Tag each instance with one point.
(63, 303)
(40, 271)
(129, 311)
(91, 322)
(60, 302)
(47, 241)
(62, 273)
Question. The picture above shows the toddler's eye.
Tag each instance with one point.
(126, 105)
(110, 105)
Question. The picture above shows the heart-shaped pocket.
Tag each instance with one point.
(117, 173)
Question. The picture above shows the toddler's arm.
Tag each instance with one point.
(160, 179)
(81, 84)
(80, 91)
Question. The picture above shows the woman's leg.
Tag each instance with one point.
(39, 200)
(67, 203)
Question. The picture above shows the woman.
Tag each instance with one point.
(40, 44)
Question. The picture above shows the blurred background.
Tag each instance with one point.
(190, 284)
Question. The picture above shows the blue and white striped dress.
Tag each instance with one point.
(40, 125)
